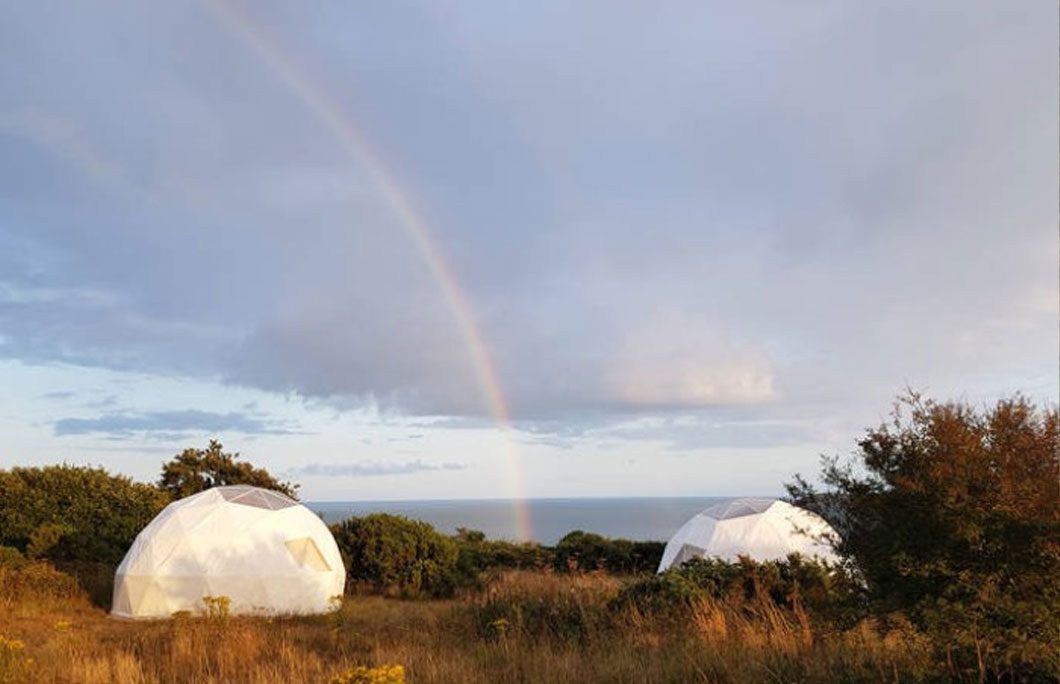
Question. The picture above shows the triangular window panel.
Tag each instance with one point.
(230, 492)
(278, 501)
(305, 552)
(739, 508)
(255, 496)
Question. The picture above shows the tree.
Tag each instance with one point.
(952, 515)
(72, 513)
(196, 470)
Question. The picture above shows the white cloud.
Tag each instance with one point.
(676, 361)
(372, 468)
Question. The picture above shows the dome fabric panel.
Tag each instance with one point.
(267, 553)
(761, 529)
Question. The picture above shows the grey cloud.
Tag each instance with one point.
(372, 468)
(120, 446)
(700, 432)
(734, 208)
(59, 394)
(102, 402)
(168, 424)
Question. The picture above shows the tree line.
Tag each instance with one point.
(78, 515)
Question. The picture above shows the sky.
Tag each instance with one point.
(447, 250)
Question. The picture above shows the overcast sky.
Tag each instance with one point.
(702, 242)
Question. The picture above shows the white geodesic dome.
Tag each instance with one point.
(267, 553)
(761, 529)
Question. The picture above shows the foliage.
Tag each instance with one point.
(793, 583)
(10, 557)
(45, 537)
(73, 513)
(476, 554)
(96, 579)
(387, 674)
(588, 551)
(952, 514)
(36, 579)
(677, 589)
(570, 608)
(399, 556)
(217, 608)
(196, 470)
(396, 555)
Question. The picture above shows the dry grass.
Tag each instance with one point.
(559, 629)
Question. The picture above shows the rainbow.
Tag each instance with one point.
(353, 140)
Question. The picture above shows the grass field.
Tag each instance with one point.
(524, 627)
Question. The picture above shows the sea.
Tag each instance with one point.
(549, 519)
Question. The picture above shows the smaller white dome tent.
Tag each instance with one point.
(761, 529)
(266, 552)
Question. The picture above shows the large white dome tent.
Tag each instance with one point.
(761, 529)
(266, 552)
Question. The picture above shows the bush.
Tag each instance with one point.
(476, 555)
(12, 558)
(36, 583)
(792, 583)
(568, 608)
(952, 515)
(668, 593)
(67, 513)
(96, 579)
(396, 555)
(588, 551)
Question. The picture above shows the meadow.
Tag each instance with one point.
(522, 626)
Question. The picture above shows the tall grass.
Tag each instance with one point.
(523, 626)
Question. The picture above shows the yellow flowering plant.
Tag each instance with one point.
(386, 674)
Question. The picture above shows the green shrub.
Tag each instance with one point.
(45, 537)
(36, 583)
(96, 579)
(396, 555)
(567, 608)
(718, 578)
(476, 555)
(74, 513)
(12, 558)
(668, 593)
(580, 550)
(792, 583)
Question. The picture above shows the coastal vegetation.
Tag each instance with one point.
(949, 517)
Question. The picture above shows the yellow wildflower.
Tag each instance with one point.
(387, 674)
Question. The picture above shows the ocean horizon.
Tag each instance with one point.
(638, 518)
